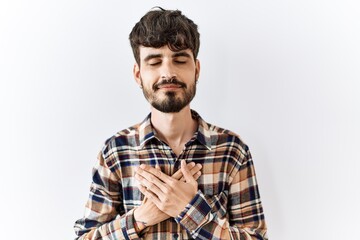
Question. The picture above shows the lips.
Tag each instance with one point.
(169, 84)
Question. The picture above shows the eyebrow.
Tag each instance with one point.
(181, 54)
(151, 56)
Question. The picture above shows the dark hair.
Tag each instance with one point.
(161, 27)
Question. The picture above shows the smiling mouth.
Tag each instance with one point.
(169, 86)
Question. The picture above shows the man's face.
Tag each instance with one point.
(168, 78)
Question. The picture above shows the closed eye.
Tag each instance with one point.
(181, 58)
(154, 63)
(180, 62)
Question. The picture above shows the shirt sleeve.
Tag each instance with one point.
(104, 211)
(236, 213)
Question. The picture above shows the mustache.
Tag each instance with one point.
(173, 80)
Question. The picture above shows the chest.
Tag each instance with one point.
(215, 173)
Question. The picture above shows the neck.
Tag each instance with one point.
(175, 129)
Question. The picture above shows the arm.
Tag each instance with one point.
(104, 214)
(234, 214)
(105, 217)
(142, 217)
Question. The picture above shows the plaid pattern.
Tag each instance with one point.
(226, 206)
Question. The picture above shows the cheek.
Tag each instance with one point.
(148, 75)
(148, 81)
(189, 76)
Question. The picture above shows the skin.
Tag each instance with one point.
(166, 196)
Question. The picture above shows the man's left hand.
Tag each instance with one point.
(170, 195)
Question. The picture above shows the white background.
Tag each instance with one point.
(283, 74)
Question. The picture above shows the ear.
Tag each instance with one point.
(197, 69)
(136, 73)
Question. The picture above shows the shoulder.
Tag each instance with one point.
(125, 139)
(216, 137)
(225, 138)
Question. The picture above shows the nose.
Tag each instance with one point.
(167, 70)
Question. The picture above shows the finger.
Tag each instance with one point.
(197, 175)
(89, 235)
(195, 172)
(150, 173)
(149, 195)
(185, 171)
(178, 174)
(153, 184)
(145, 198)
(157, 167)
(147, 170)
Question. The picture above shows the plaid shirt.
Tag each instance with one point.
(226, 206)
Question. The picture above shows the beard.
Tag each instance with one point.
(174, 101)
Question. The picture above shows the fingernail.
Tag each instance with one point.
(142, 166)
(192, 164)
(199, 165)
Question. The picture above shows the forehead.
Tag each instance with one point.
(163, 51)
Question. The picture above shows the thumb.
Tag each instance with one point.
(186, 173)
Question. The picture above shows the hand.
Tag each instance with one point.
(141, 213)
(89, 235)
(170, 195)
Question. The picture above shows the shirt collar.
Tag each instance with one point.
(147, 132)
(203, 134)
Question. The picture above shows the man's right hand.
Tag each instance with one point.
(147, 214)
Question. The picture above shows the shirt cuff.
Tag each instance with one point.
(195, 214)
(127, 226)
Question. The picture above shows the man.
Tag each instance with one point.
(173, 176)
